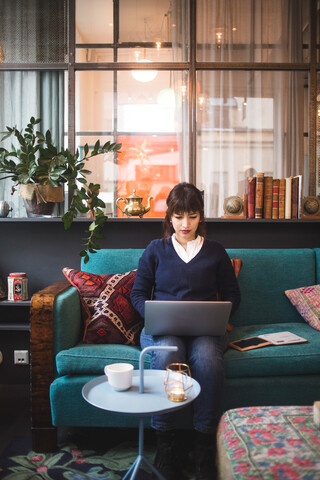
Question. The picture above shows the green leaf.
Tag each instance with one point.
(68, 217)
(86, 258)
(48, 136)
(96, 147)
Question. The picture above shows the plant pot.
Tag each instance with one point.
(41, 209)
(40, 200)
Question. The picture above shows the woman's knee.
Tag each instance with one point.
(161, 358)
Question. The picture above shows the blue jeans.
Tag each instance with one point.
(204, 355)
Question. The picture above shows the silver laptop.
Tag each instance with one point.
(180, 317)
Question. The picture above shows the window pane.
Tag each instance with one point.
(94, 38)
(160, 25)
(256, 31)
(149, 119)
(33, 31)
(94, 101)
(103, 168)
(151, 125)
(249, 122)
(94, 21)
(45, 100)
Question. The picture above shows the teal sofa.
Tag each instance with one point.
(61, 364)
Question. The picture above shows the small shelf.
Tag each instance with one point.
(15, 316)
(8, 303)
(23, 327)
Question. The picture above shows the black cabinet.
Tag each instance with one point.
(14, 337)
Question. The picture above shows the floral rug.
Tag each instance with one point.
(269, 443)
(73, 463)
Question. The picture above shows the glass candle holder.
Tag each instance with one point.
(178, 381)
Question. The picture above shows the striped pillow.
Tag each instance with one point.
(237, 264)
(307, 301)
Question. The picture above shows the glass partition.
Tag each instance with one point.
(249, 122)
(253, 31)
(148, 119)
(148, 31)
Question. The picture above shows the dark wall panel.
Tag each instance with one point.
(41, 248)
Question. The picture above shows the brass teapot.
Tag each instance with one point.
(134, 205)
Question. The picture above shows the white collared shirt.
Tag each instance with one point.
(193, 248)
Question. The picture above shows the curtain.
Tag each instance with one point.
(248, 121)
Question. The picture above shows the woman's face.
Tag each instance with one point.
(185, 226)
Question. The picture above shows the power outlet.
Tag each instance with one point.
(21, 357)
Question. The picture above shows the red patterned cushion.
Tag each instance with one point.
(108, 314)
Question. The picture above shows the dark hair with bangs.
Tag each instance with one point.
(184, 198)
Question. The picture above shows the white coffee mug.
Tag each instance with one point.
(119, 375)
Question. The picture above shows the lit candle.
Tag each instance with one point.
(177, 395)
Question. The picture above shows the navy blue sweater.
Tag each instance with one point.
(163, 271)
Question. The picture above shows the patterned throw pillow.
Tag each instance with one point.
(307, 302)
(108, 314)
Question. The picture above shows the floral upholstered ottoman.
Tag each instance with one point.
(269, 443)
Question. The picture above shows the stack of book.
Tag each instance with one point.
(270, 197)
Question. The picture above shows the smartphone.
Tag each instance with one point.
(249, 343)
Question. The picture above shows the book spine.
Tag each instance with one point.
(294, 197)
(300, 191)
(259, 195)
(288, 197)
(275, 198)
(251, 196)
(282, 197)
(267, 197)
(245, 205)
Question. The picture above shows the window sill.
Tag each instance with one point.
(159, 220)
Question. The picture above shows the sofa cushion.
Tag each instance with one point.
(295, 359)
(307, 302)
(265, 275)
(108, 314)
(112, 260)
(84, 359)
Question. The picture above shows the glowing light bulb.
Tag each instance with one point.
(144, 75)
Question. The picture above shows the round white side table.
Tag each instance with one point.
(146, 397)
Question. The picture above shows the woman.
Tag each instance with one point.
(184, 265)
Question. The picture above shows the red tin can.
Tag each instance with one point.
(17, 287)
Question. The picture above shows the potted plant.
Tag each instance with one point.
(41, 171)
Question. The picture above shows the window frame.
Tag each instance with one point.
(192, 66)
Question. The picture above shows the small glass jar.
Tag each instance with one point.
(17, 287)
(178, 381)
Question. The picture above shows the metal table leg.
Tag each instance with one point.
(133, 470)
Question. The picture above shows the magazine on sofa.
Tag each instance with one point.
(279, 338)
(283, 338)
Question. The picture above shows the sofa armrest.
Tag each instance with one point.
(43, 359)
